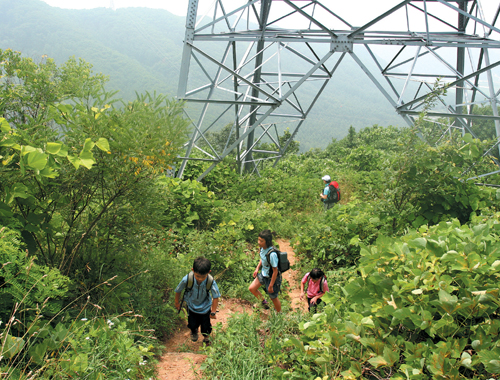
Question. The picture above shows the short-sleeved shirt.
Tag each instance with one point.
(273, 257)
(197, 299)
(326, 191)
(313, 288)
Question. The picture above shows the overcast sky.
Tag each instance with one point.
(178, 7)
(357, 12)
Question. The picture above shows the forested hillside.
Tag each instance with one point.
(140, 50)
(94, 238)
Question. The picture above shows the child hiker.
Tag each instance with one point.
(269, 277)
(201, 296)
(316, 288)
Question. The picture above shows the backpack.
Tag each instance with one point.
(189, 286)
(322, 279)
(334, 194)
(190, 283)
(283, 263)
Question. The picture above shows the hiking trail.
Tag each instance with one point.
(180, 360)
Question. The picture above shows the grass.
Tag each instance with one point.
(250, 347)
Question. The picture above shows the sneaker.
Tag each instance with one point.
(206, 340)
(194, 337)
(264, 304)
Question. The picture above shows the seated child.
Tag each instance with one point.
(316, 287)
(198, 298)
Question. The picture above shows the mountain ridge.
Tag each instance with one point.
(140, 49)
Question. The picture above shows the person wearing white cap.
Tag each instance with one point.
(324, 195)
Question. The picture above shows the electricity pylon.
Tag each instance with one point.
(257, 64)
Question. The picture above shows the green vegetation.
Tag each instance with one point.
(94, 238)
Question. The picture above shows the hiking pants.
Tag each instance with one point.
(327, 206)
(196, 320)
(312, 306)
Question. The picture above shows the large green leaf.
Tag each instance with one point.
(467, 138)
(491, 360)
(37, 160)
(447, 301)
(5, 210)
(418, 243)
(378, 361)
(103, 144)
(87, 159)
(474, 202)
(25, 149)
(11, 143)
(391, 355)
(75, 161)
(80, 363)
(88, 145)
(436, 364)
(4, 125)
(38, 351)
(18, 190)
(11, 345)
(54, 148)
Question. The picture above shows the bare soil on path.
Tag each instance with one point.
(181, 360)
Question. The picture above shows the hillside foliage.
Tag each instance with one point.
(94, 238)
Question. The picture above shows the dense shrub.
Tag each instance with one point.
(332, 239)
(27, 289)
(424, 305)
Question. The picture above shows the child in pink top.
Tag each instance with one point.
(316, 287)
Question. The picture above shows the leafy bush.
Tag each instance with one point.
(27, 289)
(152, 291)
(333, 239)
(366, 159)
(92, 349)
(421, 306)
(188, 204)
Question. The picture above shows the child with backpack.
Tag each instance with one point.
(270, 276)
(201, 296)
(316, 288)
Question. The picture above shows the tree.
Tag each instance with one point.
(69, 200)
(293, 146)
(219, 139)
(351, 138)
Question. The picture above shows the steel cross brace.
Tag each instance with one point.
(262, 58)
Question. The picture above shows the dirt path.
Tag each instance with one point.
(293, 277)
(181, 361)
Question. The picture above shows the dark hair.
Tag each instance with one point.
(267, 235)
(316, 273)
(202, 265)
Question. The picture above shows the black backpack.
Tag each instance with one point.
(334, 194)
(283, 263)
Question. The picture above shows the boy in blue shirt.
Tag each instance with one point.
(201, 303)
(270, 277)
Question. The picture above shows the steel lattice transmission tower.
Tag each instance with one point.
(259, 64)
